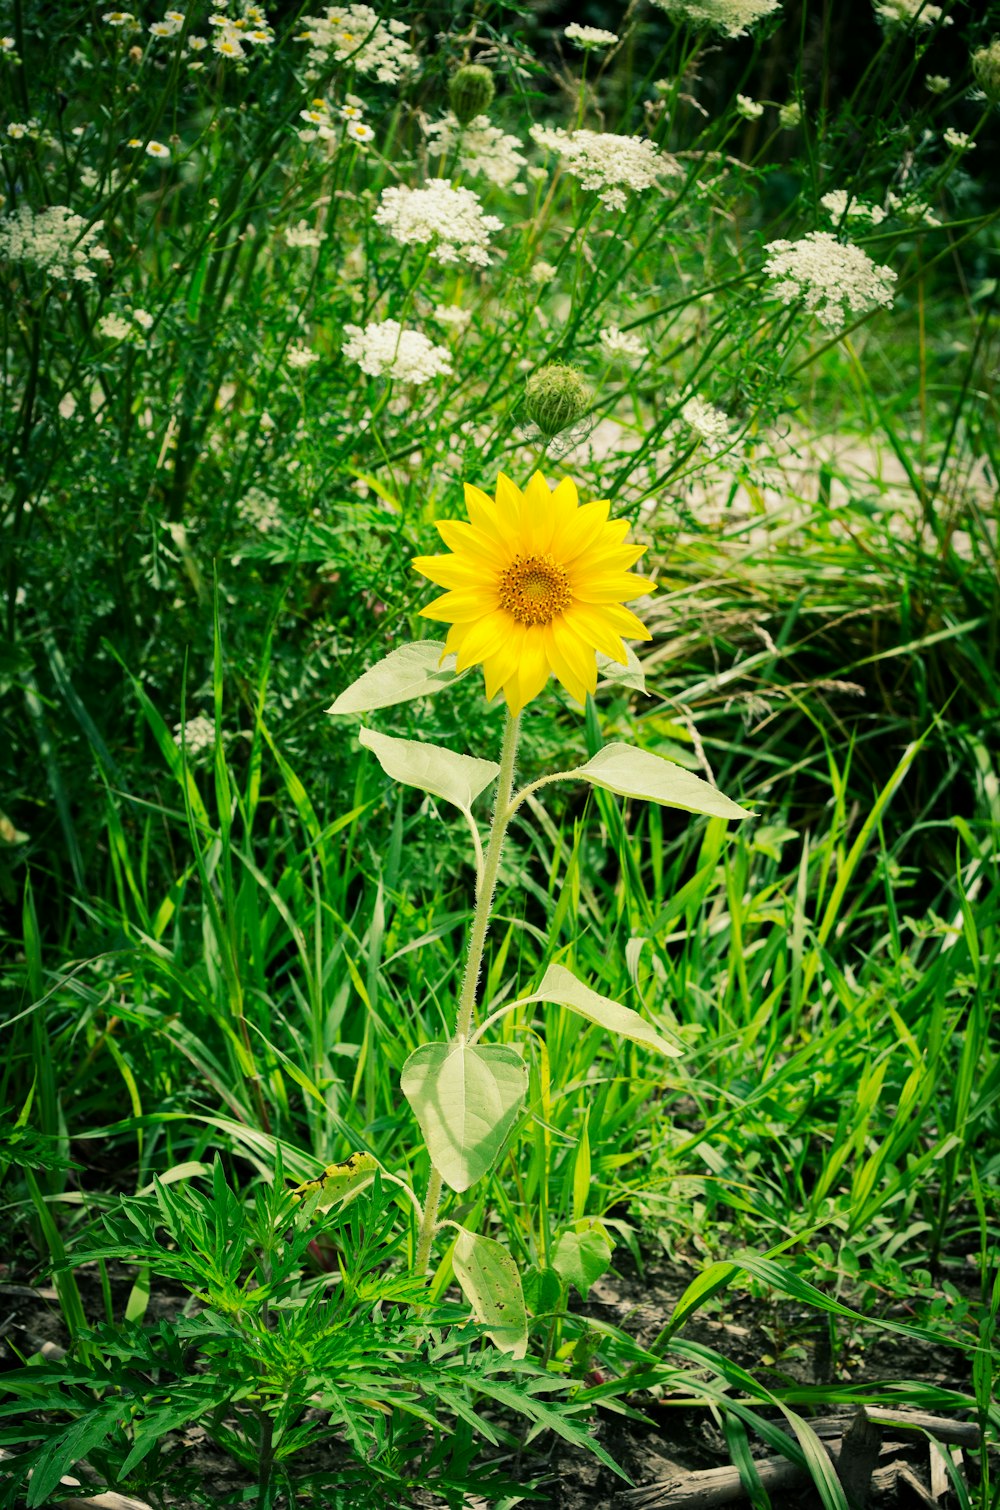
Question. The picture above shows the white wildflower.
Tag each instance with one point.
(730, 16)
(606, 163)
(452, 315)
(258, 508)
(937, 83)
(840, 205)
(300, 355)
(196, 735)
(197, 44)
(834, 279)
(114, 327)
(909, 12)
(144, 318)
(620, 343)
(387, 350)
(55, 240)
(359, 132)
(751, 110)
(541, 272)
(483, 148)
(354, 33)
(958, 141)
(449, 217)
(917, 211)
(157, 150)
(302, 235)
(711, 425)
(227, 45)
(589, 36)
(165, 28)
(118, 17)
(790, 115)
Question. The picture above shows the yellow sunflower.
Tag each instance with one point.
(536, 583)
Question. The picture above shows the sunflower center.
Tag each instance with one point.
(533, 589)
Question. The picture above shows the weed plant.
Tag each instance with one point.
(275, 283)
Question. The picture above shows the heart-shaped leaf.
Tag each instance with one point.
(582, 1255)
(561, 986)
(492, 1286)
(413, 670)
(432, 768)
(466, 1099)
(629, 772)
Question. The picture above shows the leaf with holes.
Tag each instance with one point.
(492, 1286)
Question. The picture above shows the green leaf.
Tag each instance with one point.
(466, 1099)
(413, 670)
(543, 1290)
(457, 778)
(629, 772)
(339, 1181)
(561, 986)
(492, 1286)
(629, 675)
(582, 1255)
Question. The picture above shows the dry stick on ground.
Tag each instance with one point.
(854, 1452)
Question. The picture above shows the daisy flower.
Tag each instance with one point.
(359, 132)
(157, 149)
(536, 584)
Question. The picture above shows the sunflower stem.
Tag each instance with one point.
(502, 812)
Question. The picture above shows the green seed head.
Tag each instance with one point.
(470, 90)
(556, 396)
(986, 67)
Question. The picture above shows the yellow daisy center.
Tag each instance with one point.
(534, 589)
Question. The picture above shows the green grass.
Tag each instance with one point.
(228, 953)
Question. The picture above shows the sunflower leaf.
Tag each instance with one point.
(457, 778)
(629, 772)
(630, 675)
(413, 670)
(492, 1286)
(561, 986)
(466, 1098)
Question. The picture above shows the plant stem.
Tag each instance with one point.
(474, 958)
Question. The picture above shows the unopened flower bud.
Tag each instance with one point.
(986, 68)
(470, 90)
(556, 396)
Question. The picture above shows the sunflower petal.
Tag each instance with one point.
(592, 625)
(485, 638)
(583, 530)
(449, 571)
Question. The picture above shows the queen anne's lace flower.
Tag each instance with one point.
(387, 350)
(606, 163)
(840, 204)
(909, 12)
(711, 425)
(621, 343)
(483, 148)
(833, 278)
(354, 33)
(730, 16)
(958, 141)
(751, 110)
(451, 218)
(196, 735)
(303, 235)
(589, 36)
(55, 240)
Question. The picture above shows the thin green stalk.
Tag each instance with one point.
(502, 811)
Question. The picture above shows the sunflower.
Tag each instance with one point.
(536, 583)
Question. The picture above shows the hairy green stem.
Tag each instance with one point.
(474, 958)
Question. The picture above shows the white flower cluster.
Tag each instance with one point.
(958, 141)
(300, 355)
(55, 240)
(833, 278)
(621, 344)
(483, 148)
(751, 110)
(121, 327)
(452, 315)
(387, 350)
(606, 163)
(917, 211)
(711, 425)
(302, 235)
(909, 12)
(324, 127)
(354, 33)
(589, 36)
(452, 218)
(840, 204)
(32, 129)
(195, 735)
(730, 16)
